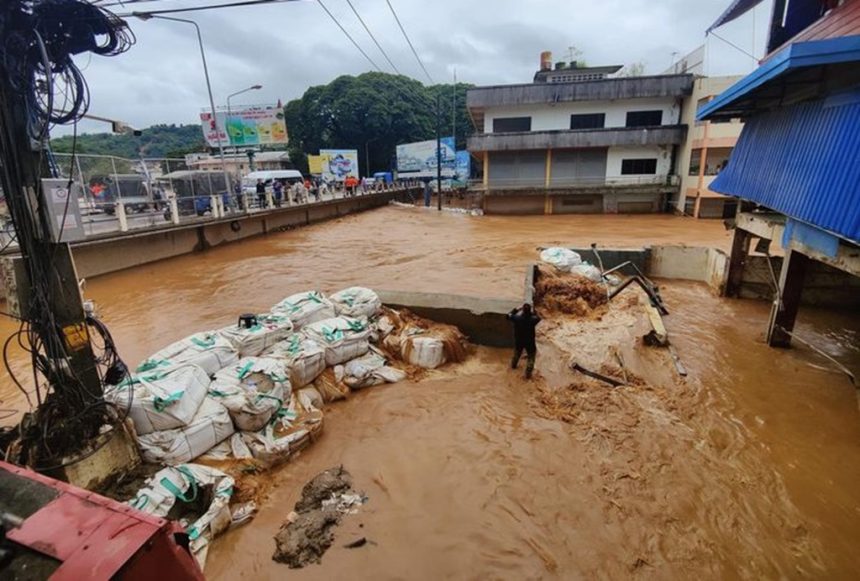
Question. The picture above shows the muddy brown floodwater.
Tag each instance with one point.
(749, 468)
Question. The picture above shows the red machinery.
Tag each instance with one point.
(57, 531)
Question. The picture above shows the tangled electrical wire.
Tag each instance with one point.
(40, 83)
(41, 38)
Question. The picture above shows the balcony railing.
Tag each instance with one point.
(579, 138)
(573, 183)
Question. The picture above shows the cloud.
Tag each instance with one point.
(291, 46)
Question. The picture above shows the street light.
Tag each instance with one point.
(251, 88)
(146, 16)
(230, 115)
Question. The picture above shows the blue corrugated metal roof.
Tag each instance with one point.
(735, 10)
(803, 161)
(740, 98)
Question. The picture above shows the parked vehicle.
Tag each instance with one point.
(288, 176)
(132, 189)
(384, 177)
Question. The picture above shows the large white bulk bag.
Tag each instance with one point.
(251, 341)
(305, 308)
(369, 370)
(161, 399)
(562, 258)
(589, 271)
(426, 352)
(252, 390)
(357, 302)
(297, 425)
(342, 338)
(186, 483)
(303, 358)
(209, 427)
(209, 350)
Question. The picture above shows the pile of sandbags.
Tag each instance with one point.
(369, 370)
(356, 302)
(343, 338)
(563, 259)
(303, 358)
(305, 308)
(299, 423)
(209, 350)
(252, 390)
(268, 329)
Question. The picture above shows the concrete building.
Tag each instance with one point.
(705, 153)
(796, 166)
(578, 141)
(239, 163)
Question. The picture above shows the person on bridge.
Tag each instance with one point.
(525, 321)
(261, 193)
(278, 192)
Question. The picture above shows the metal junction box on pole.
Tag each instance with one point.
(64, 211)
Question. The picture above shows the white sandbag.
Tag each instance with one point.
(342, 337)
(186, 483)
(251, 341)
(161, 399)
(305, 308)
(562, 258)
(309, 397)
(209, 350)
(369, 370)
(303, 358)
(210, 426)
(252, 390)
(426, 352)
(589, 271)
(297, 424)
(357, 302)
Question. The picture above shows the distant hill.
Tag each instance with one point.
(156, 141)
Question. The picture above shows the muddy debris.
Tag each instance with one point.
(567, 293)
(308, 531)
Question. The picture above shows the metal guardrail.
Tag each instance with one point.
(123, 195)
(575, 183)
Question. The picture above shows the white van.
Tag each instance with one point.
(289, 176)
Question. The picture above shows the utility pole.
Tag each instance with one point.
(50, 305)
(439, 149)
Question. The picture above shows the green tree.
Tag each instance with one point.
(374, 110)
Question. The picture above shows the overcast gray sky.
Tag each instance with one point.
(291, 46)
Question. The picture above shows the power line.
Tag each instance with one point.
(360, 19)
(199, 8)
(406, 36)
(361, 50)
(731, 44)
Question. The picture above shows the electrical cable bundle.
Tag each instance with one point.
(39, 82)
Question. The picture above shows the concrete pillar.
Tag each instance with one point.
(120, 215)
(785, 306)
(213, 206)
(486, 181)
(174, 211)
(737, 260)
(548, 169)
(270, 202)
(246, 203)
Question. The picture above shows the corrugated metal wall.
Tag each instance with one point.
(803, 161)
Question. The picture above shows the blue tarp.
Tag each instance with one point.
(735, 10)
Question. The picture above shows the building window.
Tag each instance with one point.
(717, 160)
(644, 118)
(638, 166)
(510, 124)
(695, 161)
(588, 121)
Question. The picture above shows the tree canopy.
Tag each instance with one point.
(374, 110)
(155, 141)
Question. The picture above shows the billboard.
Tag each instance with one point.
(462, 168)
(315, 165)
(337, 164)
(253, 125)
(419, 159)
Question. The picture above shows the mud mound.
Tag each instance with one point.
(567, 293)
(308, 532)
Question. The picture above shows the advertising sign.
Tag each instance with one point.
(254, 125)
(337, 164)
(314, 165)
(463, 168)
(419, 159)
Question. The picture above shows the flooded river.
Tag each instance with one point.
(747, 469)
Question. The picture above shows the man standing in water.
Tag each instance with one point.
(524, 321)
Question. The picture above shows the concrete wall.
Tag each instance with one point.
(550, 116)
(484, 321)
(823, 285)
(110, 254)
